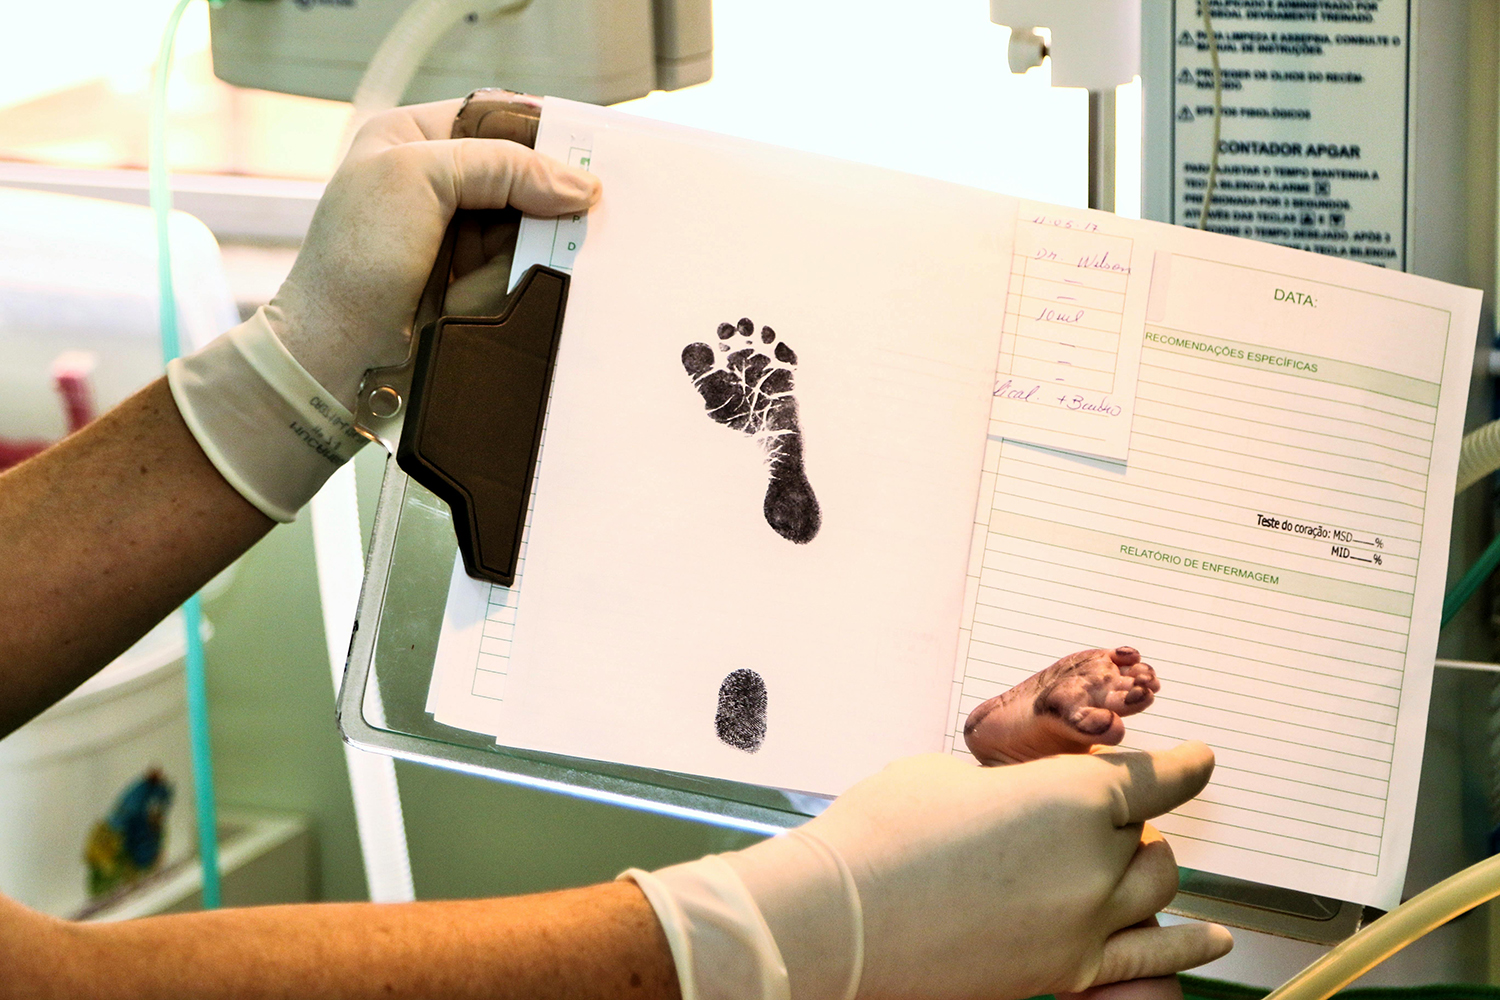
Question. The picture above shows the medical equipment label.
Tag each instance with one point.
(1312, 148)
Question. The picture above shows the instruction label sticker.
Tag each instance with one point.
(1313, 134)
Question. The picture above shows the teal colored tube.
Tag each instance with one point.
(1482, 570)
(192, 614)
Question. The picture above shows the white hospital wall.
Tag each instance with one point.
(926, 90)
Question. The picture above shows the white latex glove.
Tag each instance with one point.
(940, 879)
(271, 401)
(348, 304)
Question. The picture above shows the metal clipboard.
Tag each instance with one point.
(382, 703)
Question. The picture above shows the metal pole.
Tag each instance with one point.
(1102, 149)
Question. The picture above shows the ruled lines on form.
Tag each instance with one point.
(1071, 339)
(1065, 313)
(492, 665)
(471, 671)
(468, 684)
(1260, 548)
(562, 236)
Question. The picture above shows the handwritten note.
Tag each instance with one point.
(1071, 343)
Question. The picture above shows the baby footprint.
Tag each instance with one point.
(746, 384)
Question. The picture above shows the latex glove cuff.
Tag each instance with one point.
(273, 432)
(720, 944)
(777, 921)
(807, 897)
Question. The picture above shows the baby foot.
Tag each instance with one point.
(1074, 704)
(741, 718)
(747, 385)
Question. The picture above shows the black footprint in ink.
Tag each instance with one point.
(747, 385)
(741, 719)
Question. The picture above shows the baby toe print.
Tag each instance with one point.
(1078, 702)
(746, 384)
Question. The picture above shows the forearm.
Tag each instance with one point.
(100, 537)
(602, 941)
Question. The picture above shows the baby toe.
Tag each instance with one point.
(1096, 727)
(767, 335)
(1125, 656)
(1136, 700)
(1114, 698)
(1143, 675)
(746, 328)
(697, 358)
(1093, 721)
(726, 330)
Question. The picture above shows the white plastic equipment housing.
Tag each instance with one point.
(600, 51)
(1096, 44)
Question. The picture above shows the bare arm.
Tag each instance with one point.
(602, 941)
(101, 537)
(104, 534)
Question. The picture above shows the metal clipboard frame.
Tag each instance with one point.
(382, 708)
(382, 702)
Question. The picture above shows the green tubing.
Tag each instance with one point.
(1477, 574)
(1478, 458)
(197, 694)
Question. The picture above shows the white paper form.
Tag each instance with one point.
(1073, 327)
(654, 571)
(473, 656)
(1275, 546)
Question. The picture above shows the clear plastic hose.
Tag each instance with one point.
(192, 614)
(335, 510)
(1417, 916)
(1480, 455)
(405, 46)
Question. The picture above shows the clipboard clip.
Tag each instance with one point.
(463, 413)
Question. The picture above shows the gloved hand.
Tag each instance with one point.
(348, 304)
(939, 879)
(270, 402)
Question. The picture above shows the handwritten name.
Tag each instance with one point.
(1030, 392)
(1102, 406)
(1101, 262)
(1025, 393)
(1050, 315)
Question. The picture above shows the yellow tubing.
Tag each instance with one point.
(1479, 456)
(1394, 931)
